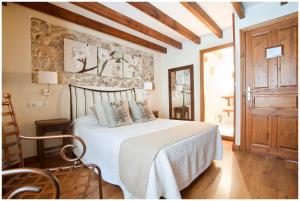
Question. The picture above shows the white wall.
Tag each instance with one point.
(189, 55)
(16, 71)
(254, 15)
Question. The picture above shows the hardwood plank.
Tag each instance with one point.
(239, 9)
(198, 12)
(106, 12)
(157, 14)
(239, 175)
(64, 14)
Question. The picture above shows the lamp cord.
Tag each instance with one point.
(45, 101)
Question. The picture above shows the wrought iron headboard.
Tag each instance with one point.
(82, 98)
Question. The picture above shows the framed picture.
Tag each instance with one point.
(80, 57)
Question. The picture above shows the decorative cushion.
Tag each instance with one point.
(117, 113)
(141, 111)
(99, 113)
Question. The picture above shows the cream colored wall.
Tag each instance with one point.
(16, 71)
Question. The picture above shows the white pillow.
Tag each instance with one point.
(99, 113)
(82, 120)
(117, 113)
(141, 111)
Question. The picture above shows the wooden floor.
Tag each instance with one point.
(238, 175)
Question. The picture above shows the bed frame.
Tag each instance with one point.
(82, 98)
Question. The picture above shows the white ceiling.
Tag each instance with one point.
(250, 4)
(220, 12)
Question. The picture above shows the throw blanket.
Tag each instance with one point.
(137, 154)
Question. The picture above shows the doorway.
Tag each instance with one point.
(217, 88)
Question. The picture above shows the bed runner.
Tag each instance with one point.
(137, 153)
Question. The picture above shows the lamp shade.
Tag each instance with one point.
(148, 85)
(47, 77)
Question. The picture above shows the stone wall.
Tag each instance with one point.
(47, 54)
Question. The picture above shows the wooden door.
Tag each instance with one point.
(271, 91)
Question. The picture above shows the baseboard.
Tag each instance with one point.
(235, 147)
(229, 138)
(30, 160)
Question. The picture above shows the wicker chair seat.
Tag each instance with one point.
(75, 183)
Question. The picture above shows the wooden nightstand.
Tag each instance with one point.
(44, 126)
(183, 111)
(156, 113)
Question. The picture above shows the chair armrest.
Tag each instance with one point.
(35, 189)
(62, 151)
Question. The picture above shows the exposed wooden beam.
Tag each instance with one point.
(198, 12)
(239, 9)
(106, 12)
(157, 14)
(67, 15)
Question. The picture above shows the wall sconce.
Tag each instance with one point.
(47, 77)
(148, 86)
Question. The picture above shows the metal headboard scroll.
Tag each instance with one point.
(82, 98)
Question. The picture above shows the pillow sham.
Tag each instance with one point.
(99, 113)
(117, 113)
(141, 111)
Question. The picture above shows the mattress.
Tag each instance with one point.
(173, 169)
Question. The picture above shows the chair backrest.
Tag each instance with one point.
(11, 144)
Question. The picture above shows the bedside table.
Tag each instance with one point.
(44, 126)
(156, 113)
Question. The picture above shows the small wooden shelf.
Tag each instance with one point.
(228, 110)
(228, 99)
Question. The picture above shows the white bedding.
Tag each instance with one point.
(175, 166)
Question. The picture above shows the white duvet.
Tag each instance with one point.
(175, 166)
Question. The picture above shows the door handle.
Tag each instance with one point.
(249, 92)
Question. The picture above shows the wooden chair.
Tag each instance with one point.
(62, 182)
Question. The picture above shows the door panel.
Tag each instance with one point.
(260, 63)
(272, 93)
(288, 62)
(287, 132)
(260, 131)
(275, 102)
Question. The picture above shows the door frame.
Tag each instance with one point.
(243, 70)
(202, 95)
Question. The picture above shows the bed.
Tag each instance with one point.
(174, 167)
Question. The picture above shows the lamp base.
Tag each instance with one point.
(46, 92)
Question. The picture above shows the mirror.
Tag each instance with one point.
(181, 93)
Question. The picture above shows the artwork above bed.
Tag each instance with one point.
(86, 60)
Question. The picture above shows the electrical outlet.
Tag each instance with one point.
(36, 104)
